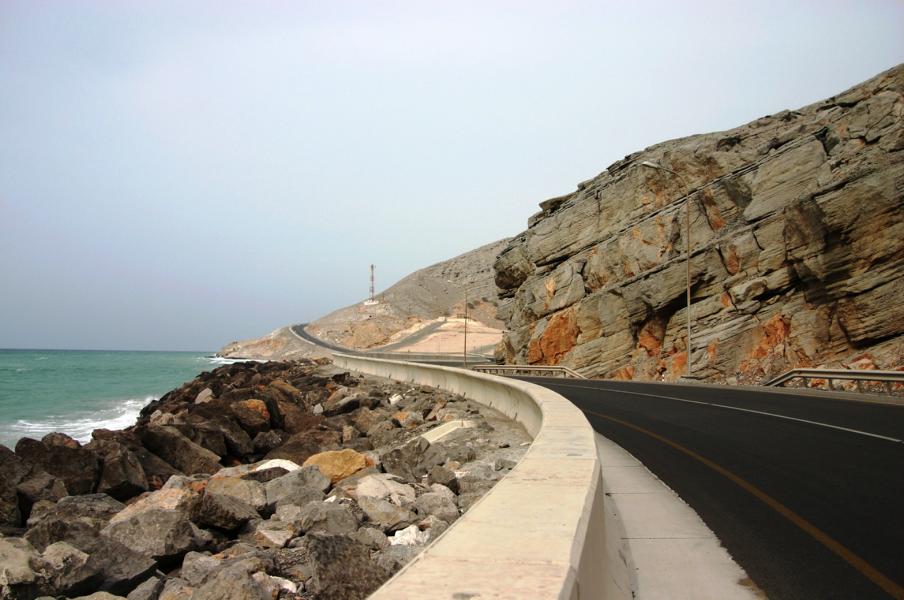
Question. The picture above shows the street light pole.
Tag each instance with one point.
(465, 350)
(687, 195)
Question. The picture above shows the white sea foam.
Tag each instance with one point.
(219, 360)
(119, 416)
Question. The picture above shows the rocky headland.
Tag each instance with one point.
(797, 251)
(253, 481)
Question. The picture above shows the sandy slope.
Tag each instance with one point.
(424, 298)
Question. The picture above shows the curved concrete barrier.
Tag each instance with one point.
(541, 531)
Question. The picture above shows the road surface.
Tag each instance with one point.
(806, 493)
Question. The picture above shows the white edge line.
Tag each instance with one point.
(747, 410)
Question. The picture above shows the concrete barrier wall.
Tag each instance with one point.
(540, 532)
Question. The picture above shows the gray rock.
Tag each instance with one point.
(121, 568)
(412, 460)
(148, 590)
(266, 441)
(438, 506)
(122, 475)
(326, 517)
(196, 566)
(232, 582)
(247, 491)
(386, 515)
(332, 567)
(100, 596)
(433, 525)
(74, 519)
(271, 533)
(159, 534)
(176, 588)
(443, 476)
(176, 449)
(503, 464)
(298, 487)
(393, 558)
(224, 512)
(371, 537)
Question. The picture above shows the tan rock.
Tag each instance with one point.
(338, 464)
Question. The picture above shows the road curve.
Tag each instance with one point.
(805, 492)
(451, 359)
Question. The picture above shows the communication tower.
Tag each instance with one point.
(372, 300)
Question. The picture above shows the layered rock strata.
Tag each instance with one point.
(797, 251)
(277, 480)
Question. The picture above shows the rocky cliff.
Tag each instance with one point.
(797, 251)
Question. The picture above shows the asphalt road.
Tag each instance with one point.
(451, 359)
(806, 493)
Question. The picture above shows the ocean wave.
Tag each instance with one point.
(80, 427)
(219, 360)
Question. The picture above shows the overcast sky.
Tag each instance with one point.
(176, 175)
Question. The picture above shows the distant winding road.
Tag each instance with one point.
(805, 492)
(450, 359)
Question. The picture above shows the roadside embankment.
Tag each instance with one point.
(542, 531)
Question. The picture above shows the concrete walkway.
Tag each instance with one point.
(673, 554)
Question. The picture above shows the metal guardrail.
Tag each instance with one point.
(859, 376)
(531, 370)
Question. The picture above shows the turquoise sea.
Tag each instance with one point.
(77, 391)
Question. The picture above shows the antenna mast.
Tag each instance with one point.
(372, 299)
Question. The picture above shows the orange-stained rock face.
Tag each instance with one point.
(650, 337)
(256, 405)
(771, 337)
(557, 339)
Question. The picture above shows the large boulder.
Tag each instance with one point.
(121, 567)
(338, 464)
(233, 582)
(297, 487)
(332, 567)
(252, 414)
(437, 505)
(178, 498)
(213, 418)
(303, 445)
(122, 475)
(223, 512)
(12, 471)
(247, 491)
(74, 519)
(383, 486)
(77, 467)
(18, 562)
(176, 449)
(323, 517)
(386, 515)
(40, 485)
(412, 460)
(163, 535)
(68, 571)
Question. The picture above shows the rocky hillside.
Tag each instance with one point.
(421, 297)
(797, 234)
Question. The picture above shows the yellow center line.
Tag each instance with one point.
(867, 570)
